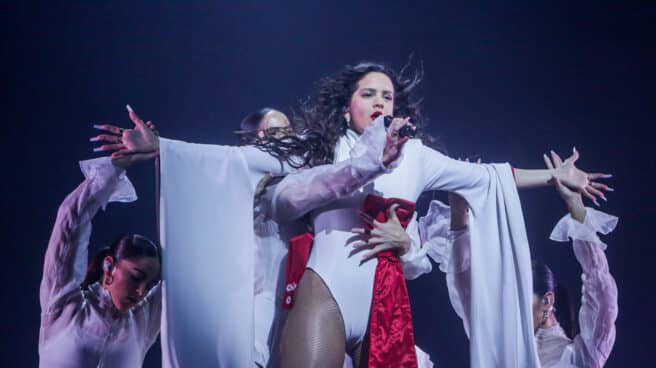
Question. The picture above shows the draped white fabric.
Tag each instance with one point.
(500, 314)
(206, 229)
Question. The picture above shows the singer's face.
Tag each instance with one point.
(373, 97)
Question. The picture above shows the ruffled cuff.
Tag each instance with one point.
(372, 144)
(415, 263)
(435, 235)
(595, 222)
(423, 359)
(101, 169)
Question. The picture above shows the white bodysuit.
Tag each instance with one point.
(335, 195)
(82, 328)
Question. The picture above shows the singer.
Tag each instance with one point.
(357, 303)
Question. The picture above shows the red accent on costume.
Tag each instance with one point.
(391, 336)
(297, 258)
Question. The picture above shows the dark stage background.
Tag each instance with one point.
(507, 82)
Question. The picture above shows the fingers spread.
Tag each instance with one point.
(590, 196)
(556, 159)
(597, 193)
(601, 186)
(106, 138)
(547, 161)
(372, 253)
(110, 128)
(109, 147)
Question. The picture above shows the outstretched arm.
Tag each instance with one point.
(599, 292)
(141, 143)
(469, 179)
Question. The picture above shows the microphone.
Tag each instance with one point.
(405, 131)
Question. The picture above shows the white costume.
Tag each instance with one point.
(82, 328)
(206, 227)
(598, 312)
(334, 195)
(221, 281)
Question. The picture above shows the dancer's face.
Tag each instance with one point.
(129, 280)
(540, 307)
(274, 119)
(373, 97)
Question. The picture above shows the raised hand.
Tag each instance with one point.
(383, 236)
(576, 179)
(572, 199)
(129, 146)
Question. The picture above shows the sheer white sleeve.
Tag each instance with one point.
(148, 315)
(415, 262)
(258, 161)
(599, 292)
(306, 190)
(66, 257)
(451, 250)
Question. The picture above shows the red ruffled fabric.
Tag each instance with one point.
(391, 336)
(297, 257)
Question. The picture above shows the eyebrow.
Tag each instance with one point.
(369, 89)
(143, 273)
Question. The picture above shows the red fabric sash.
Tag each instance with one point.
(297, 257)
(391, 336)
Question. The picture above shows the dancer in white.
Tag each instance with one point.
(556, 347)
(206, 218)
(213, 186)
(111, 316)
(334, 297)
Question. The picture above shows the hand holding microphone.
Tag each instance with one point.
(404, 131)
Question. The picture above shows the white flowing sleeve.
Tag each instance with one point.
(501, 328)
(306, 190)
(67, 254)
(472, 181)
(599, 292)
(206, 230)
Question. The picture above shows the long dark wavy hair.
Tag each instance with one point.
(545, 281)
(125, 247)
(320, 120)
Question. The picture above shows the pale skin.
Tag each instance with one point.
(129, 280)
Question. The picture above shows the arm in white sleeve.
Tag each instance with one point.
(470, 180)
(599, 292)
(66, 257)
(451, 250)
(306, 190)
(149, 314)
(258, 161)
